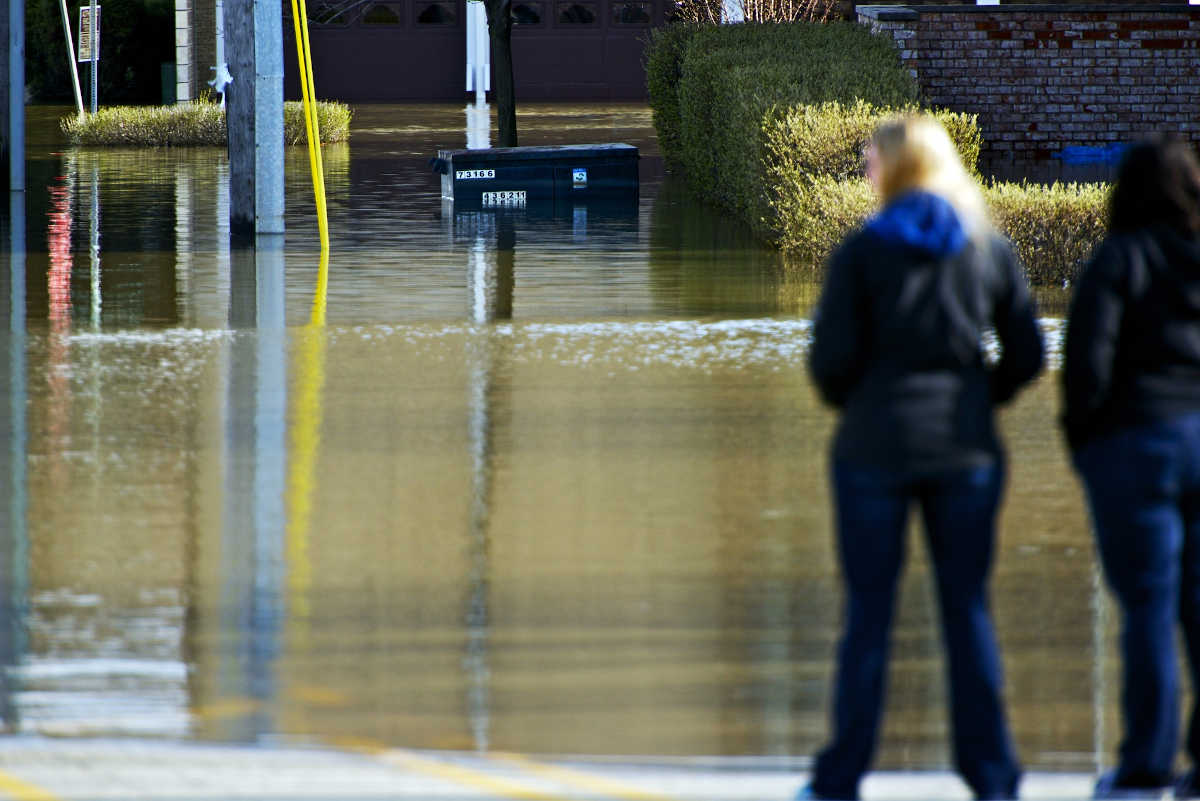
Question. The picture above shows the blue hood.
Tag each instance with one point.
(921, 221)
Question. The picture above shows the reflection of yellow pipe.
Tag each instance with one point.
(318, 309)
(305, 443)
(308, 95)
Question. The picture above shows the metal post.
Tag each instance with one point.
(95, 56)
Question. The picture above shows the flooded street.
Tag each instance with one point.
(521, 483)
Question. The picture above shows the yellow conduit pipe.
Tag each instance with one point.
(308, 95)
(310, 378)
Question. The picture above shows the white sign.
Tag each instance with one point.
(466, 175)
(511, 198)
(88, 52)
(579, 178)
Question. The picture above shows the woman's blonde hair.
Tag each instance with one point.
(915, 152)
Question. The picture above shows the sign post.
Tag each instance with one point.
(89, 43)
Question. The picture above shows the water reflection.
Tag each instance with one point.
(14, 542)
(254, 521)
(481, 480)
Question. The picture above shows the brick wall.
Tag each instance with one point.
(1043, 78)
(204, 42)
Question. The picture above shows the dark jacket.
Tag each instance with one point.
(1133, 339)
(898, 339)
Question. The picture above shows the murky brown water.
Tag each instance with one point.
(567, 496)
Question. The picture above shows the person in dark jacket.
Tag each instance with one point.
(1131, 379)
(899, 348)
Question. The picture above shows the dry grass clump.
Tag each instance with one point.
(196, 124)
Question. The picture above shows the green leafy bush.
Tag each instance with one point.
(718, 91)
(807, 149)
(192, 124)
(779, 64)
(1053, 228)
(770, 122)
(664, 66)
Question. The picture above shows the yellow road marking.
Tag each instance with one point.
(22, 790)
(581, 779)
(467, 777)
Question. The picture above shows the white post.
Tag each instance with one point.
(479, 122)
(66, 18)
(478, 51)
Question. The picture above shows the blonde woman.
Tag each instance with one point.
(898, 350)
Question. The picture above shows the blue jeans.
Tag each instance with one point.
(959, 510)
(1143, 486)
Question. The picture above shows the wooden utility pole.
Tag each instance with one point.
(254, 115)
(499, 16)
(12, 95)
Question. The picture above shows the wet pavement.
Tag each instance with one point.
(155, 771)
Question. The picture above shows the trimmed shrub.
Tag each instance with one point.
(808, 149)
(816, 213)
(1054, 229)
(779, 64)
(770, 123)
(664, 67)
(192, 124)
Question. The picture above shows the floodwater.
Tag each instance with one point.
(549, 485)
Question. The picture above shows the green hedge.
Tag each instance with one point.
(717, 92)
(810, 151)
(193, 124)
(778, 64)
(1053, 228)
(770, 121)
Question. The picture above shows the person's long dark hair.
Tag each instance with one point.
(1158, 183)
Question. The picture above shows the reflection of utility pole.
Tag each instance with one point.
(491, 285)
(479, 434)
(254, 521)
(14, 545)
(94, 246)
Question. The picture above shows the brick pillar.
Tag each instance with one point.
(185, 73)
(204, 42)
